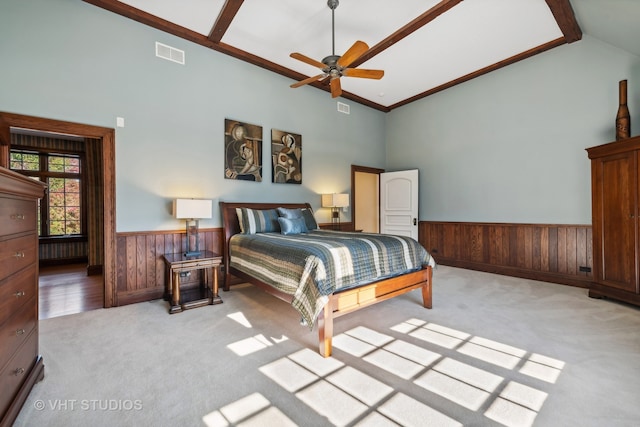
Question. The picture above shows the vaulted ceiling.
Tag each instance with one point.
(423, 46)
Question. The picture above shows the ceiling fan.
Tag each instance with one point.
(334, 66)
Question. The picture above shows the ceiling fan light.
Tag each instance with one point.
(335, 66)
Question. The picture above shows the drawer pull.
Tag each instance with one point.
(18, 371)
(20, 332)
(19, 294)
(19, 255)
(18, 217)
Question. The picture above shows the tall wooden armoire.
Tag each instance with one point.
(615, 188)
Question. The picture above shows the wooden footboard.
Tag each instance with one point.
(340, 303)
(344, 302)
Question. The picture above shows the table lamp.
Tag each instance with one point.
(192, 210)
(335, 202)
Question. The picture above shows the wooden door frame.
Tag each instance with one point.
(364, 169)
(107, 138)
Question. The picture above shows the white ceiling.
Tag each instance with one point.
(467, 39)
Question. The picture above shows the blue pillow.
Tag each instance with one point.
(309, 219)
(289, 213)
(254, 221)
(305, 213)
(292, 225)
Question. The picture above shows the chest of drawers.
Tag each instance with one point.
(20, 364)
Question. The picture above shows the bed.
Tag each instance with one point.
(328, 300)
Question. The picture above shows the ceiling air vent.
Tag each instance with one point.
(343, 108)
(169, 53)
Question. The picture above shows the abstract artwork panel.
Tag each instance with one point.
(242, 151)
(286, 157)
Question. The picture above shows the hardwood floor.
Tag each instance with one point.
(66, 289)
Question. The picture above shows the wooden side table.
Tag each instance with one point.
(206, 294)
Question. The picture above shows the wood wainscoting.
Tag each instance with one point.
(552, 253)
(140, 272)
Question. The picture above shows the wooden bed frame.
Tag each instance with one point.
(341, 302)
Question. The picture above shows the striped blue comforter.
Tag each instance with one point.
(311, 266)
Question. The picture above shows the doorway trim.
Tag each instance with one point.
(107, 138)
(363, 169)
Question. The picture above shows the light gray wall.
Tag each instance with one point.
(68, 60)
(505, 147)
(510, 146)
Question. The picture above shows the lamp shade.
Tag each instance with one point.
(335, 200)
(192, 208)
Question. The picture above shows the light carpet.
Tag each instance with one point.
(493, 351)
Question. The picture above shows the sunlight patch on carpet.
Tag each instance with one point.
(489, 355)
(510, 414)
(473, 388)
(493, 352)
(352, 345)
(314, 362)
(349, 396)
(376, 419)
(399, 366)
(370, 336)
(413, 352)
(538, 367)
(271, 416)
(253, 410)
(360, 385)
(463, 384)
(440, 335)
(338, 406)
(253, 344)
(288, 374)
(240, 318)
(409, 412)
(408, 326)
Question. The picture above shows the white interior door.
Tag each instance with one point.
(399, 203)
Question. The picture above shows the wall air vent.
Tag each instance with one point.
(343, 108)
(170, 53)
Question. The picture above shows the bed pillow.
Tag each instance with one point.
(254, 221)
(309, 219)
(290, 213)
(292, 225)
(305, 213)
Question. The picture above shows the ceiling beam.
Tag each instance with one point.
(407, 30)
(561, 9)
(229, 11)
(566, 19)
(192, 36)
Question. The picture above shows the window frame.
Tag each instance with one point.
(43, 174)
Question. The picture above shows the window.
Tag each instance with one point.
(61, 210)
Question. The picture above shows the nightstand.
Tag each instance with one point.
(178, 265)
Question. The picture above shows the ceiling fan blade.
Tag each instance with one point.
(354, 52)
(307, 81)
(307, 60)
(366, 74)
(336, 89)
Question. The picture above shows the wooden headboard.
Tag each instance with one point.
(231, 226)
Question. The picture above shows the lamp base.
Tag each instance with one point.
(193, 238)
(335, 218)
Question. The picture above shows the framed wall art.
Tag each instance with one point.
(286, 155)
(242, 151)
